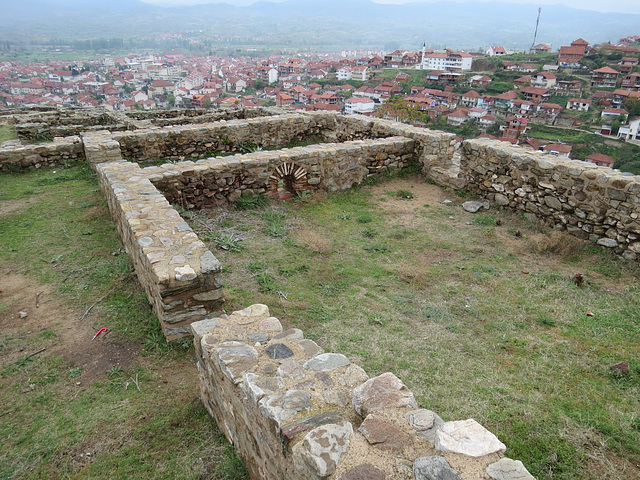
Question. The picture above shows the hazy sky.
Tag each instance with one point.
(622, 6)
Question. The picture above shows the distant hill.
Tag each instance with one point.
(304, 24)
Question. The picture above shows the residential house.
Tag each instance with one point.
(283, 100)
(572, 55)
(496, 51)
(360, 74)
(458, 117)
(448, 61)
(503, 101)
(160, 87)
(480, 80)
(620, 94)
(522, 107)
(366, 92)
(568, 87)
(528, 67)
(543, 80)
(631, 81)
(487, 120)
(548, 110)
(139, 96)
(578, 104)
(267, 74)
(477, 112)
(522, 81)
(612, 114)
(470, 99)
(394, 59)
(559, 149)
(344, 73)
(604, 77)
(515, 127)
(358, 105)
(541, 48)
(627, 64)
(601, 159)
(535, 94)
(630, 131)
(386, 90)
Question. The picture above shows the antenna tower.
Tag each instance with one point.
(535, 35)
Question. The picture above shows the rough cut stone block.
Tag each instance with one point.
(434, 468)
(281, 406)
(235, 358)
(364, 472)
(327, 362)
(383, 435)
(384, 391)
(507, 469)
(256, 387)
(467, 437)
(321, 449)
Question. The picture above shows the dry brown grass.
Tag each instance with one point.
(554, 242)
(313, 240)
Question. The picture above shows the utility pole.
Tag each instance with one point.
(535, 35)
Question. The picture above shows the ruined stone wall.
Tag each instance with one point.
(62, 151)
(180, 276)
(590, 202)
(191, 141)
(295, 412)
(216, 181)
(194, 116)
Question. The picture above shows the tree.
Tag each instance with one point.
(171, 100)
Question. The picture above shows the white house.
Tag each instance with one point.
(631, 131)
(497, 50)
(345, 73)
(449, 61)
(358, 105)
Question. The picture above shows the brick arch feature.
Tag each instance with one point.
(287, 178)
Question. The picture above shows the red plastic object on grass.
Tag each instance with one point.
(99, 332)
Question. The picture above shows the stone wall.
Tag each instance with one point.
(195, 141)
(62, 151)
(590, 202)
(212, 182)
(295, 412)
(180, 276)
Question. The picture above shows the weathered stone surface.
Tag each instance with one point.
(425, 422)
(256, 387)
(236, 358)
(383, 435)
(507, 469)
(321, 449)
(198, 329)
(335, 397)
(434, 468)
(260, 337)
(310, 348)
(292, 369)
(279, 350)
(383, 391)
(290, 430)
(608, 242)
(250, 314)
(270, 324)
(209, 263)
(281, 406)
(353, 376)
(327, 362)
(291, 334)
(472, 206)
(324, 379)
(211, 295)
(467, 437)
(184, 274)
(364, 472)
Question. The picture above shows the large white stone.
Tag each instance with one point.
(321, 449)
(467, 437)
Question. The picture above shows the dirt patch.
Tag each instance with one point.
(64, 331)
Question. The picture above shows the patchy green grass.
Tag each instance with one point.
(478, 321)
(7, 133)
(143, 420)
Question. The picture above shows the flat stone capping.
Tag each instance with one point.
(295, 412)
(180, 276)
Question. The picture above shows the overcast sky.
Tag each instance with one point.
(622, 6)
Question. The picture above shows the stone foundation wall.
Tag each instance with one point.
(180, 276)
(212, 182)
(61, 151)
(189, 141)
(590, 202)
(295, 412)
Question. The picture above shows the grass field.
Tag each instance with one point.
(479, 319)
(116, 407)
